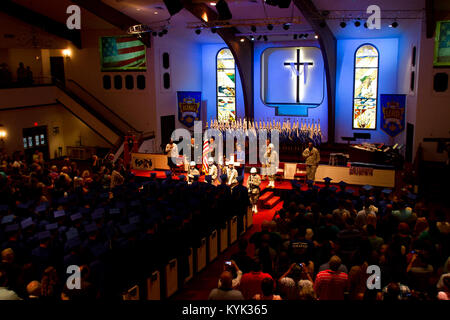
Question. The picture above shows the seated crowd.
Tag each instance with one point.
(116, 227)
(324, 244)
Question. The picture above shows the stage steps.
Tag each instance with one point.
(268, 200)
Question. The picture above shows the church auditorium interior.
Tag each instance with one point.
(224, 150)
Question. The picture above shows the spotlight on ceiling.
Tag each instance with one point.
(357, 23)
(198, 31)
(252, 38)
(242, 39)
(316, 36)
(213, 4)
(394, 24)
(343, 24)
(253, 28)
(265, 38)
(323, 24)
(214, 29)
(270, 26)
(295, 37)
(286, 26)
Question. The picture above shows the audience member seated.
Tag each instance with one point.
(267, 289)
(251, 281)
(225, 291)
(331, 284)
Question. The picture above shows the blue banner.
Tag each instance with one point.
(189, 103)
(393, 108)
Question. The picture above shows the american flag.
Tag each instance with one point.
(205, 167)
(121, 53)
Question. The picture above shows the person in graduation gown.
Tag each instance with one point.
(312, 158)
(232, 175)
(271, 159)
(253, 182)
(212, 170)
(193, 171)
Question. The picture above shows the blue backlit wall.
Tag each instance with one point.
(279, 83)
(387, 83)
(209, 53)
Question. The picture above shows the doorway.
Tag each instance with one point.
(35, 139)
(57, 69)
(167, 127)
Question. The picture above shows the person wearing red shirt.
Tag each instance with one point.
(331, 284)
(251, 281)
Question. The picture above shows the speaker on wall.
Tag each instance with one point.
(440, 83)
(412, 81)
(413, 59)
(165, 71)
(166, 60)
(173, 6)
(223, 10)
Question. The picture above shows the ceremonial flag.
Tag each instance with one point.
(205, 167)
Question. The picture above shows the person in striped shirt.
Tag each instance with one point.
(331, 284)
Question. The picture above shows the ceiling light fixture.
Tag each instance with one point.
(286, 26)
(253, 28)
(343, 24)
(213, 4)
(394, 24)
(198, 31)
(270, 26)
(316, 36)
(242, 39)
(357, 23)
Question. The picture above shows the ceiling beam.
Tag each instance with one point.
(328, 47)
(242, 51)
(113, 16)
(38, 20)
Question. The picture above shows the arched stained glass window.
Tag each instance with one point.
(365, 90)
(226, 85)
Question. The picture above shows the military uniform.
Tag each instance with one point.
(212, 171)
(312, 158)
(271, 159)
(253, 183)
(191, 174)
(232, 177)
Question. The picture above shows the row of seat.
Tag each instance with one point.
(164, 283)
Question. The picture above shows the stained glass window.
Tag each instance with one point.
(365, 88)
(226, 86)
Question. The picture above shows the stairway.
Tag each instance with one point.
(268, 200)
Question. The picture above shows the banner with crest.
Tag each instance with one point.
(189, 103)
(393, 109)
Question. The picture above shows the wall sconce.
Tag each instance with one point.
(2, 132)
(67, 53)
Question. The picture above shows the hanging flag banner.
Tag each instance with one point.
(393, 108)
(189, 107)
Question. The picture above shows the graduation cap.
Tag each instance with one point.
(104, 195)
(84, 210)
(72, 233)
(135, 203)
(51, 226)
(114, 211)
(134, 219)
(153, 175)
(367, 187)
(12, 227)
(62, 229)
(411, 196)
(7, 219)
(120, 205)
(40, 208)
(386, 191)
(208, 178)
(342, 184)
(309, 182)
(223, 177)
(26, 223)
(4, 207)
(350, 191)
(23, 205)
(59, 213)
(182, 177)
(63, 200)
(91, 228)
(99, 210)
(128, 228)
(333, 188)
(72, 243)
(44, 235)
(98, 249)
(327, 179)
(96, 215)
(168, 173)
(76, 216)
(240, 179)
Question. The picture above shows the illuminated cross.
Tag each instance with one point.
(296, 69)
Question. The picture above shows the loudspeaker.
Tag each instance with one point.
(412, 81)
(166, 61)
(413, 60)
(165, 71)
(173, 6)
(283, 4)
(440, 83)
(223, 10)
(166, 80)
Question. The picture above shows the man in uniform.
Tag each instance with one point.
(271, 158)
(253, 182)
(212, 170)
(192, 172)
(312, 158)
(232, 174)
